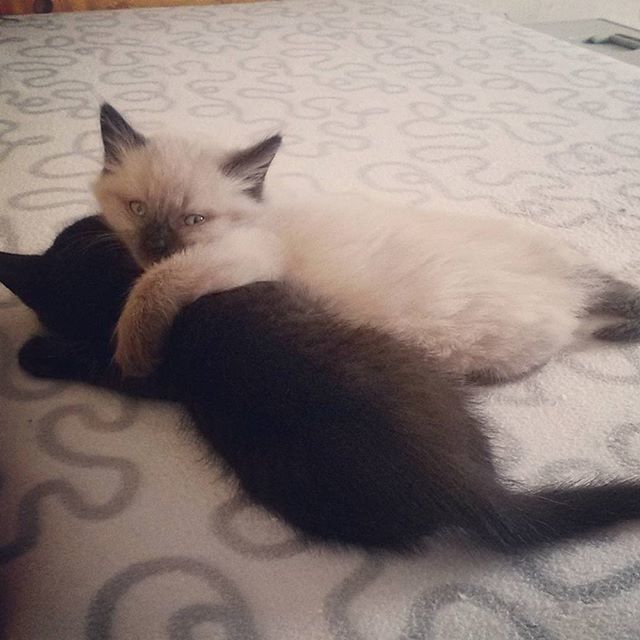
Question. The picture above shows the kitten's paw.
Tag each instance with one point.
(141, 330)
(135, 358)
(136, 354)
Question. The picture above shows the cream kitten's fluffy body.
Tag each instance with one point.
(488, 295)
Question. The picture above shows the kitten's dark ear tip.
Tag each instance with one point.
(108, 112)
(275, 141)
(251, 165)
(117, 133)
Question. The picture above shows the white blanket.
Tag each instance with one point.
(113, 525)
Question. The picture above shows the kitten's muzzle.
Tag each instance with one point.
(156, 241)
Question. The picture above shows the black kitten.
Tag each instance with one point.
(345, 432)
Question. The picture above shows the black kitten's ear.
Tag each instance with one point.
(251, 165)
(22, 274)
(117, 134)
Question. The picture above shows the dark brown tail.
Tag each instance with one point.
(517, 521)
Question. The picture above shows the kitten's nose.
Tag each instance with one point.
(155, 241)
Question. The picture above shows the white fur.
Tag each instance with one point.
(483, 293)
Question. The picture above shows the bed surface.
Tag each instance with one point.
(113, 525)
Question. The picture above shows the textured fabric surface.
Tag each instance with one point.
(113, 524)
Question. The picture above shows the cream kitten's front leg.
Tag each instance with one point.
(244, 256)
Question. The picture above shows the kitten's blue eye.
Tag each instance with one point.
(138, 208)
(194, 218)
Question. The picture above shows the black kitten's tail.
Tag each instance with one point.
(515, 521)
(621, 301)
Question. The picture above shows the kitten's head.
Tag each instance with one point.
(162, 194)
(78, 286)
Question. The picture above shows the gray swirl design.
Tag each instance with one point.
(12, 386)
(529, 392)
(85, 150)
(52, 198)
(222, 525)
(29, 529)
(339, 599)
(590, 592)
(7, 146)
(592, 371)
(427, 606)
(624, 443)
(233, 613)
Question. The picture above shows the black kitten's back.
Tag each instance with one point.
(345, 431)
(352, 435)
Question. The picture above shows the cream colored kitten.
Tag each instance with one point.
(491, 297)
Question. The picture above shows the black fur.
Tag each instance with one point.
(73, 287)
(348, 434)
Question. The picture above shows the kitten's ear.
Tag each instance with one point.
(117, 134)
(251, 165)
(22, 275)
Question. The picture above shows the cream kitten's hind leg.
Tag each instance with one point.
(244, 256)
